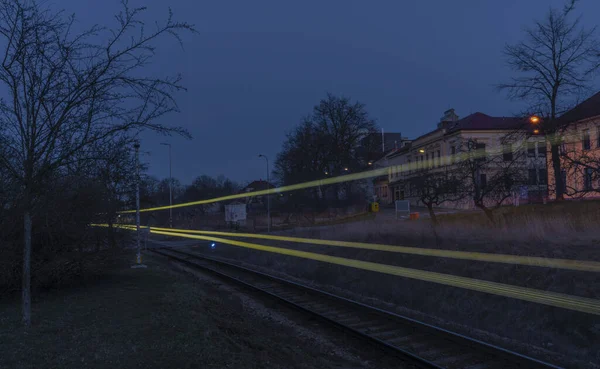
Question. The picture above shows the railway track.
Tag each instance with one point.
(425, 345)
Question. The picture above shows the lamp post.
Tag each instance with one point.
(268, 197)
(137, 201)
(170, 186)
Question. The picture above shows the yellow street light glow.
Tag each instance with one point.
(536, 131)
(534, 119)
(421, 151)
(346, 169)
(571, 302)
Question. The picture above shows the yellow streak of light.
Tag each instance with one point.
(565, 301)
(581, 265)
(407, 167)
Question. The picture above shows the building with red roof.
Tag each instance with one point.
(437, 150)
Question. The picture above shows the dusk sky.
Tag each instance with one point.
(257, 67)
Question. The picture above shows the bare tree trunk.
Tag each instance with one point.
(111, 235)
(434, 219)
(558, 185)
(488, 213)
(26, 287)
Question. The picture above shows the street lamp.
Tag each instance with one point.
(268, 197)
(136, 146)
(534, 119)
(170, 186)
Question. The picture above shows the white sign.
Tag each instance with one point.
(235, 213)
(402, 206)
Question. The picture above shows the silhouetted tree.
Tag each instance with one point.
(434, 188)
(554, 65)
(69, 91)
(487, 176)
(327, 143)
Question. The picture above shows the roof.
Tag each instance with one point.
(257, 186)
(483, 122)
(588, 109)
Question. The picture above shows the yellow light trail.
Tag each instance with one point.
(581, 265)
(407, 167)
(576, 303)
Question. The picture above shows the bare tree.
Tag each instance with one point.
(554, 65)
(326, 143)
(435, 189)
(68, 91)
(583, 166)
(490, 176)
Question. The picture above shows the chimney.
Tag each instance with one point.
(448, 117)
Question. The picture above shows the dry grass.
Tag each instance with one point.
(567, 230)
(152, 318)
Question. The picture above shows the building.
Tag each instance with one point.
(580, 151)
(438, 149)
(391, 158)
(257, 202)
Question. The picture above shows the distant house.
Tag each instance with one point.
(436, 150)
(260, 185)
(580, 151)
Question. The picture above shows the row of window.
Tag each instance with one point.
(586, 143)
(588, 179)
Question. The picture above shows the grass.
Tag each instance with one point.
(149, 318)
(567, 230)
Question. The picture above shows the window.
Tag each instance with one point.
(586, 140)
(509, 182)
(439, 158)
(507, 153)
(543, 176)
(482, 180)
(541, 149)
(563, 178)
(531, 149)
(532, 177)
(587, 184)
(480, 151)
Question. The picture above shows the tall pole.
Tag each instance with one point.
(137, 201)
(268, 196)
(170, 187)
